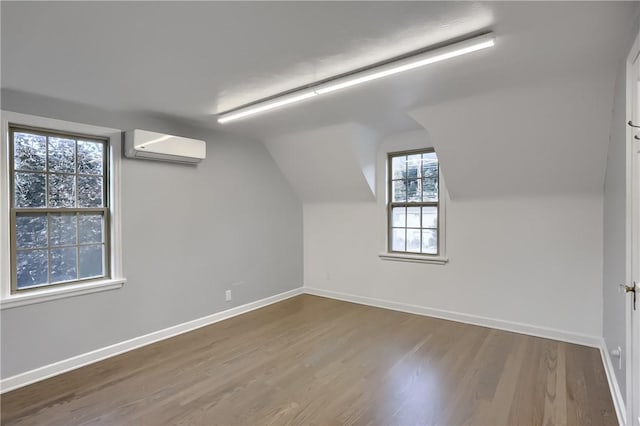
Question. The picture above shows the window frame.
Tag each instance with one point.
(13, 128)
(114, 278)
(391, 204)
(418, 140)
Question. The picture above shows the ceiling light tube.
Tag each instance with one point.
(409, 63)
(266, 106)
(372, 73)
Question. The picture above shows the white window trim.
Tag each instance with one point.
(408, 144)
(117, 280)
(415, 258)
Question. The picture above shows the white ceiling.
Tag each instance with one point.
(329, 164)
(546, 138)
(189, 60)
(529, 116)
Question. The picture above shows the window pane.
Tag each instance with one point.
(430, 190)
(91, 261)
(430, 165)
(31, 231)
(31, 267)
(62, 229)
(399, 190)
(398, 217)
(413, 217)
(413, 166)
(64, 265)
(413, 240)
(62, 190)
(90, 191)
(399, 164)
(29, 189)
(397, 239)
(90, 157)
(29, 152)
(413, 190)
(429, 217)
(62, 154)
(430, 241)
(90, 228)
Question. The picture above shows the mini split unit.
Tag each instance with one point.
(147, 145)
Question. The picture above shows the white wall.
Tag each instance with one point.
(535, 261)
(189, 233)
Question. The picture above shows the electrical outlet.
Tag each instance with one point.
(227, 295)
(617, 353)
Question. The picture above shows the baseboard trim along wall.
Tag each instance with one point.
(47, 371)
(614, 387)
(41, 373)
(516, 327)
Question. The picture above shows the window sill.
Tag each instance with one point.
(398, 257)
(39, 296)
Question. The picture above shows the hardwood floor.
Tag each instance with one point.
(311, 360)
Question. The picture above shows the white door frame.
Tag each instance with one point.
(633, 235)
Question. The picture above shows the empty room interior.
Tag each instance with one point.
(320, 213)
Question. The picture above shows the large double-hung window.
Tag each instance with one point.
(59, 208)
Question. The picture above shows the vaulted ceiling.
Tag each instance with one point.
(542, 94)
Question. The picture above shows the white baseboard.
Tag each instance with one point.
(38, 374)
(516, 327)
(41, 373)
(614, 387)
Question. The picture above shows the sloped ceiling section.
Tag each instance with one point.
(329, 164)
(540, 139)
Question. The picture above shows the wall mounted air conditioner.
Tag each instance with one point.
(157, 146)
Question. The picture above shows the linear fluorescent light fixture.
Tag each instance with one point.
(372, 73)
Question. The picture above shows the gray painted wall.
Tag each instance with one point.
(189, 233)
(615, 223)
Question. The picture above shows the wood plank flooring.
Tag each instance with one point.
(317, 361)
